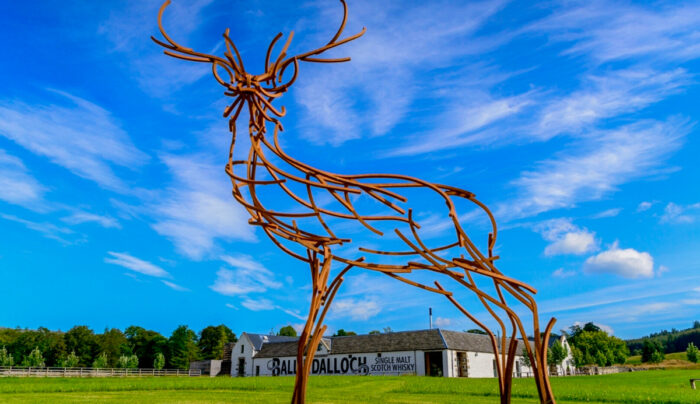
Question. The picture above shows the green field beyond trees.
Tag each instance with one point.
(658, 387)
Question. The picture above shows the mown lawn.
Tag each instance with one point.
(658, 386)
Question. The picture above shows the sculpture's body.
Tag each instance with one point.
(306, 234)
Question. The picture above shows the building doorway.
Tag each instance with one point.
(241, 366)
(433, 364)
(462, 366)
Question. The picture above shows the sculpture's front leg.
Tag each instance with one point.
(322, 294)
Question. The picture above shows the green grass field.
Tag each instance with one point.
(658, 386)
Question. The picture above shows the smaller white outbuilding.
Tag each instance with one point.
(433, 352)
(567, 367)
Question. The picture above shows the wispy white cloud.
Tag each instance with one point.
(607, 213)
(562, 273)
(247, 276)
(262, 304)
(75, 134)
(643, 206)
(355, 309)
(174, 286)
(628, 263)
(605, 96)
(387, 64)
(644, 289)
(128, 29)
(79, 217)
(197, 208)
(566, 238)
(610, 32)
(259, 304)
(17, 185)
(466, 124)
(674, 213)
(442, 322)
(596, 167)
(48, 230)
(135, 264)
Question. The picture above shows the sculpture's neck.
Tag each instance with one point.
(263, 141)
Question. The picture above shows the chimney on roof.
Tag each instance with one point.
(430, 313)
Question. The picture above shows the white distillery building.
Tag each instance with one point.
(433, 352)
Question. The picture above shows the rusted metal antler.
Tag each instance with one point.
(255, 91)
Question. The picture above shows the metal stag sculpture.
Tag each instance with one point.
(319, 245)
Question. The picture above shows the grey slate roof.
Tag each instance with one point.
(285, 348)
(423, 340)
(259, 339)
(464, 341)
(278, 349)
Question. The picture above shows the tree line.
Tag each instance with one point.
(131, 348)
(667, 341)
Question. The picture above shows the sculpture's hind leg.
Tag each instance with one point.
(505, 358)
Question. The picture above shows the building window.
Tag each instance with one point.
(242, 347)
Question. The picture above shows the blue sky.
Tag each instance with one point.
(575, 122)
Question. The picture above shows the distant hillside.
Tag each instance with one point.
(673, 341)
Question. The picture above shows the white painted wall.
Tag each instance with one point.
(420, 363)
(243, 349)
(479, 364)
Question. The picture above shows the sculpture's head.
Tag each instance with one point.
(255, 91)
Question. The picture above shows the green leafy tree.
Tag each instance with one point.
(128, 362)
(556, 354)
(373, 332)
(70, 361)
(159, 361)
(182, 346)
(34, 359)
(213, 339)
(132, 362)
(287, 331)
(692, 353)
(476, 331)
(525, 358)
(593, 346)
(54, 345)
(649, 347)
(82, 340)
(113, 343)
(101, 361)
(145, 344)
(342, 333)
(6, 358)
(25, 342)
(657, 357)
